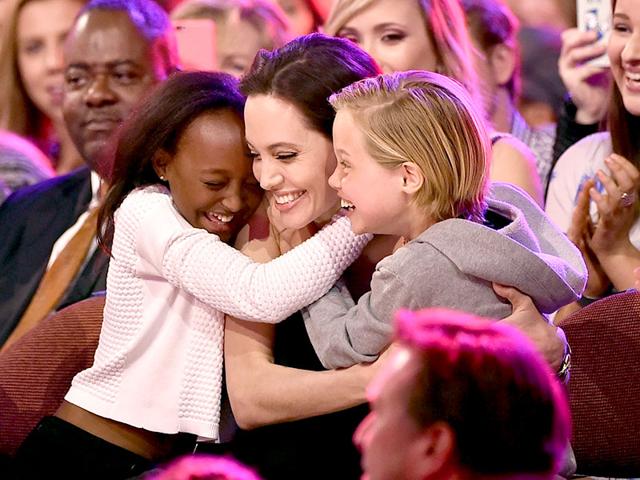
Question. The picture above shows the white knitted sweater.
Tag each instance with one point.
(158, 365)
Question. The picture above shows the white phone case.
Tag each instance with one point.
(596, 15)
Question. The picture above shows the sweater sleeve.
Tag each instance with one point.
(227, 280)
(344, 333)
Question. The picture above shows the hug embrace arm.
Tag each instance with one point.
(225, 279)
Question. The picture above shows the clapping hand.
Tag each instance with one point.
(579, 233)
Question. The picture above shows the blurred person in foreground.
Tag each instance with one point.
(461, 397)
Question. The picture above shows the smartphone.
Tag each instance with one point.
(196, 40)
(595, 15)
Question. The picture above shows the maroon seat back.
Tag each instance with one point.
(604, 389)
(36, 371)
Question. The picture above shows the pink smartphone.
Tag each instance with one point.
(196, 44)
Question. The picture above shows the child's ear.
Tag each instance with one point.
(160, 161)
(412, 178)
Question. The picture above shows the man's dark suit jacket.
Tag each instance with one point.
(31, 220)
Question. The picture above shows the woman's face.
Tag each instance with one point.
(238, 42)
(291, 161)
(210, 175)
(42, 26)
(624, 53)
(299, 15)
(393, 32)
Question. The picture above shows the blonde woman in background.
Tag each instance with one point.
(431, 35)
(31, 76)
(305, 16)
(242, 28)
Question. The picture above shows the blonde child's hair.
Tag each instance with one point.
(445, 24)
(430, 120)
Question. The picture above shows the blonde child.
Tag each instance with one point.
(416, 140)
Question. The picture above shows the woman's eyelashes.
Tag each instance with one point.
(621, 27)
(349, 35)
(285, 156)
(393, 36)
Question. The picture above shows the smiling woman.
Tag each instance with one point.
(31, 82)
(242, 27)
(593, 194)
(304, 15)
(289, 159)
(295, 414)
(431, 35)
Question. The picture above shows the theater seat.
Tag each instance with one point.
(604, 389)
(36, 371)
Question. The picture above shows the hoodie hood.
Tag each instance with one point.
(529, 252)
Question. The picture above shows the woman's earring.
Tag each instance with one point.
(162, 179)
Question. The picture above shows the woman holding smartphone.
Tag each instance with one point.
(594, 190)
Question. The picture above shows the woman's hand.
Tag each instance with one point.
(616, 207)
(549, 340)
(579, 233)
(588, 85)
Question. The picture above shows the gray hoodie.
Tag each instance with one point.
(452, 265)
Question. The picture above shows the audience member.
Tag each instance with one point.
(542, 92)
(416, 35)
(163, 182)
(493, 29)
(556, 14)
(462, 398)
(31, 76)
(305, 16)
(115, 52)
(21, 162)
(204, 467)
(242, 28)
(593, 194)
(588, 89)
(436, 198)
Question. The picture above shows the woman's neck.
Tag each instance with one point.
(325, 218)
(503, 111)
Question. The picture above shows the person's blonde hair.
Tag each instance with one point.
(266, 17)
(18, 113)
(446, 27)
(430, 120)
